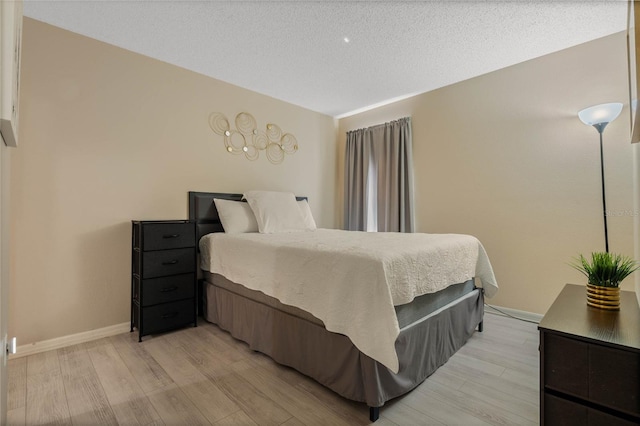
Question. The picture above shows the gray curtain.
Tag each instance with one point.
(379, 178)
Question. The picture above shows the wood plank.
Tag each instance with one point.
(353, 412)
(43, 362)
(237, 418)
(521, 378)
(478, 364)
(258, 406)
(301, 405)
(203, 393)
(503, 357)
(383, 421)
(232, 349)
(294, 422)
(209, 354)
(513, 330)
(470, 373)
(46, 399)
(147, 372)
(87, 401)
(16, 383)
(356, 413)
(533, 345)
(530, 410)
(494, 337)
(129, 403)
(17, 416)
(175, 408)
(441, 411)
(402, 414)
(209, 362)
(444, 377)
(477, 407)
(288, 374)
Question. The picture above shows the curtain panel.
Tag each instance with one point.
(379, 178)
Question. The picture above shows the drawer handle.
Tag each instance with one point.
(168, 289)
(171, 236)
(170, 315)
(171, 262)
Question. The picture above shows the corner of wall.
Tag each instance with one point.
(636, 211)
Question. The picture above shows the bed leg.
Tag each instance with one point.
(374, 413)
(480, 326)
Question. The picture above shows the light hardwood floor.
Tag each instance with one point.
(203, 376)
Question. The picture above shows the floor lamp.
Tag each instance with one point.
(599, 116)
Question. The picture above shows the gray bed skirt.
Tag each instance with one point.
(331, 358)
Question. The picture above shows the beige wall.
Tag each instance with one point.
(504, 157)
(108, 136)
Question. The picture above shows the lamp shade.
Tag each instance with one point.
(600, 114)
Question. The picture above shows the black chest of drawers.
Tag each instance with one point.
(590, 362)
(163, 276)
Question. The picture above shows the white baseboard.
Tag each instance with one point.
(72, 339)
(506, 312)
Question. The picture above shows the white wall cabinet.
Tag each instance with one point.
(10, 50)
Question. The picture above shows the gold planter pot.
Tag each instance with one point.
(603, 297)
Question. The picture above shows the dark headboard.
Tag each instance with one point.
(202, 210)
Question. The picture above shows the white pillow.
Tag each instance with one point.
(310, 224)
(275, 211)
(236, 216)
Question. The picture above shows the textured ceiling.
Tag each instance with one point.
(295, 50)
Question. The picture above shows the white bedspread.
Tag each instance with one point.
(349, 280)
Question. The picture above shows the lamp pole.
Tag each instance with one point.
(600, 128)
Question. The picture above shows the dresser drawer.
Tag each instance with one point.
(165, 289)
(614, 378)
(598, 418)
(566, 365)
(168, 262)
(164, 236)
(559, 411)
(167, 316)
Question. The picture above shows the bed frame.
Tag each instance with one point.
(449, 328)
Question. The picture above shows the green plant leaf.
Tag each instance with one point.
(605, 269)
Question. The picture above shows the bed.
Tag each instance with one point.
(430, 328)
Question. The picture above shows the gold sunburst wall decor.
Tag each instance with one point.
(248, 140)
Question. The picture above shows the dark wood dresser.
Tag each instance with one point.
(163, 276)
(590, 362)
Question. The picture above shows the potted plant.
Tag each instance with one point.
(605, 272)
